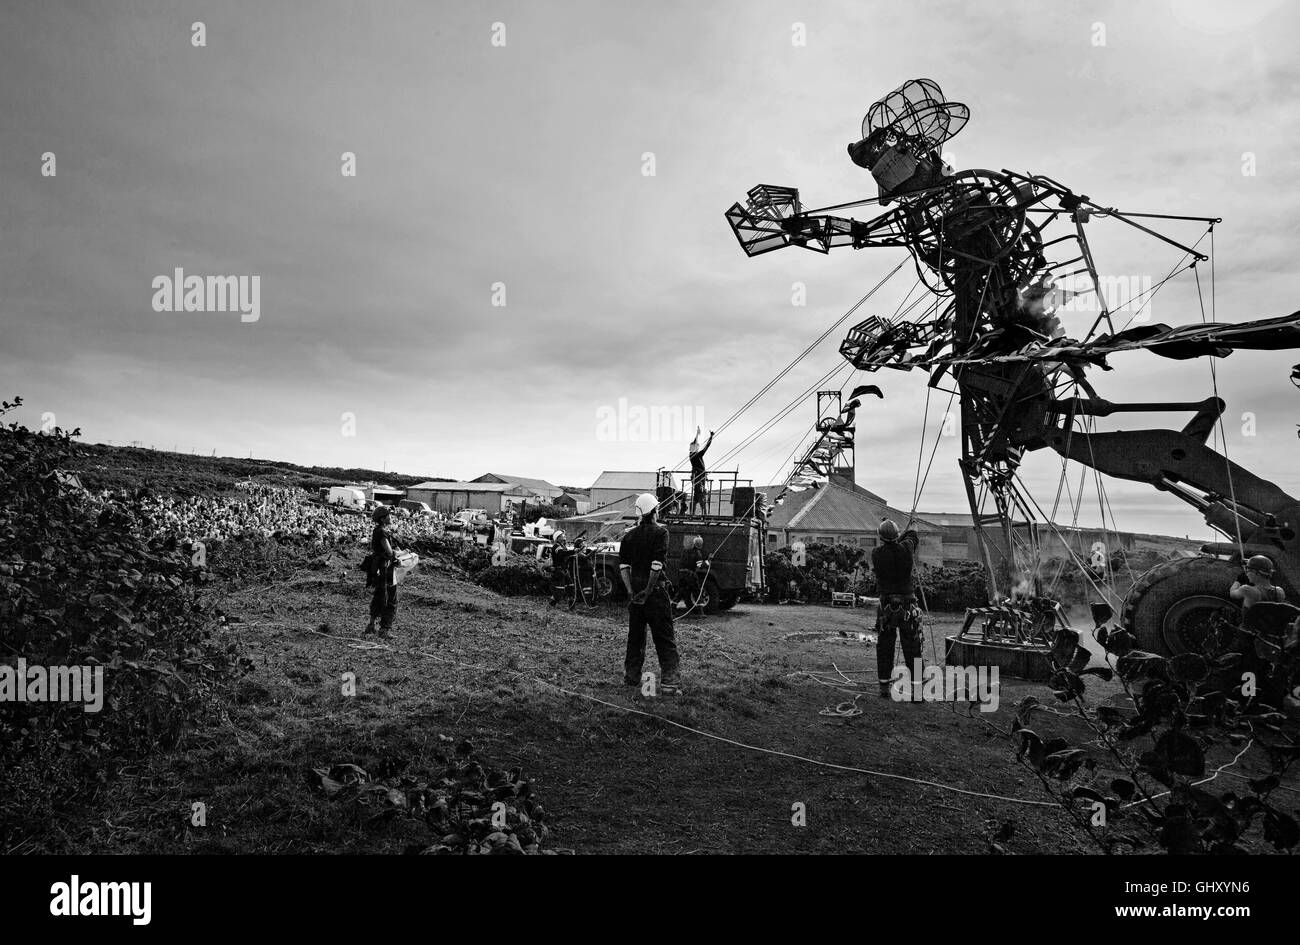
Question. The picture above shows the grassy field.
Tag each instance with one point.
(467, 665)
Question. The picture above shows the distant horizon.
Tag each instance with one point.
(920, 513)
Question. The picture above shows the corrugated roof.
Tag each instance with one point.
(642, 481)
(539, 484)
(466, 487)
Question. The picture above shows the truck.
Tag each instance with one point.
(347, 497)
(735, 551)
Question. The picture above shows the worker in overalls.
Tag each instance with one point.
(641, 556)
(898, 618)
(383, 573)
(691, 573)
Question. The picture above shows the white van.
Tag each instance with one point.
(346, 497)
(414, 507)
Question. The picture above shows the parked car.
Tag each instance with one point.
(415, 508)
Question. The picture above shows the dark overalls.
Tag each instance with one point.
(560, 560)
(383, 576)
(699, 479)
(643, 550)
(688, 576)
(897, 617)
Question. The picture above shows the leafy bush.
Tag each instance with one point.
(518, 576)
(546, 511)
(836, 568)
(84, 589)
(1141, 776)
(953, 587)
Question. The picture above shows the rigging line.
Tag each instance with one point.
(802, 440)
(920, 449)
(798, 447)
(1227, 460)
(1103, 504)
(761, 458)
(782, 413)
(933, 451)
(1156, 288)
(1114, 521)
(1070, 551)
(806, 351)
(899, 311)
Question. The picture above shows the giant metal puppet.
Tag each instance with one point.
(994, 247)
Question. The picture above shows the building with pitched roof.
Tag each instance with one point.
(837, 512)
(540, 487)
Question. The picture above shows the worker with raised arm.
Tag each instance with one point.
(641, 556)
(897, 616)
(699, 479)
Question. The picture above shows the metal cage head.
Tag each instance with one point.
(902, 134)
(916, 113)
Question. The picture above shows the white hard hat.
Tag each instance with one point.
(645, 504)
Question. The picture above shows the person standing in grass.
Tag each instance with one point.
(383, 573)
(641, 555)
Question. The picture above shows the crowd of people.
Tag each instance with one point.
(258, 511)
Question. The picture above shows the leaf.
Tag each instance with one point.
(1101, 672)
(1264, 785)
(1188, 668)
(1062, 764)
(1137, 664)
(1123, 788)
(1281, 829)
(1175, 752)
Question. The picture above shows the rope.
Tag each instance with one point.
(695, 731)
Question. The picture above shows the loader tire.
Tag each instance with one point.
(1178, 606)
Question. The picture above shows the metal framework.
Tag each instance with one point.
(992, 246)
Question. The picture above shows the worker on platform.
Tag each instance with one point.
(699, 479)
(641, 555)
(897, 616)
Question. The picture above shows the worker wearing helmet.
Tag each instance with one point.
(897, 616)
(641, 556)
(692, 572)
(382, 575)
(560, 558)
(1255, 584)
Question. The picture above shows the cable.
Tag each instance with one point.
(695, 731)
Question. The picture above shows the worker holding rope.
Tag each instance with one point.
(641, 555)
(690, 575)
(897, 616)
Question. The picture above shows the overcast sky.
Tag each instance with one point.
(524, 165)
